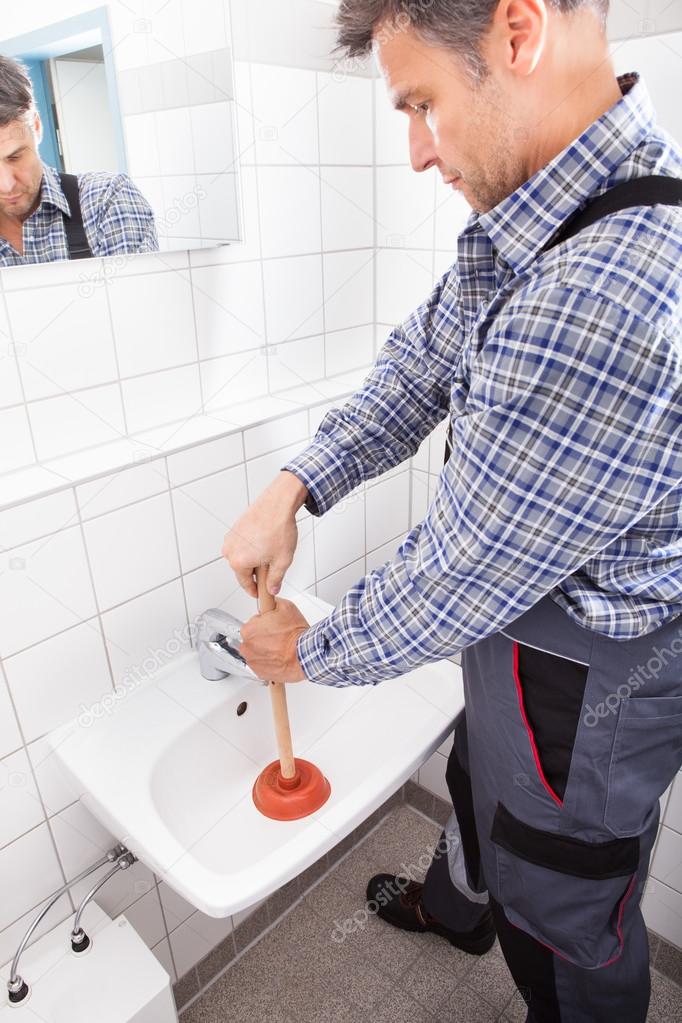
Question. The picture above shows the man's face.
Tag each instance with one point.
(21, 171)
(456, 124)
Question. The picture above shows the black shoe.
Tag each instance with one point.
(399, 902)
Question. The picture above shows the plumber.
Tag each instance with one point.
(551, 552)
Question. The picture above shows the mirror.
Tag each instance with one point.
(105, 150)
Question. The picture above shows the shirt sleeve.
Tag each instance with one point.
(125, 220)
(400, 402)
(572, 432)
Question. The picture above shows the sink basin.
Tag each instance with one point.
(169, 770)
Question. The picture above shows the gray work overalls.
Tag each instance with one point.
(564, 855)
(567, 741)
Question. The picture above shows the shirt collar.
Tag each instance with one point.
(524, 221)
(51, 191)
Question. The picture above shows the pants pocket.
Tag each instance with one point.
(645, 757)
(567, 893)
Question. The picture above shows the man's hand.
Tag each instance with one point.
(266, 534)
(269, 643)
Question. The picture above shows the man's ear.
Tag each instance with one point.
(37, 127)
(523, 26)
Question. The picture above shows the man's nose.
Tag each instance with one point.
(7, 180)
(422, 148)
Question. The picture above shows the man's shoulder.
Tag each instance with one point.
(104, 183)
(631, 260)
(104, 189)
(628, 259)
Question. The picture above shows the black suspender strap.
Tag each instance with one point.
(644, 191)
(76, 239)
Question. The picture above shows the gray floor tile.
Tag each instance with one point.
(283, 898)
(310, 969)
(428, 982)
(398, 1007)
(492, 979)
(404, 840)
(419, 797)
(446, 955)
(250, 928)
(466, 1006)
(244, 992)
(355, 871)
(517, 1010)
(216, 960)
(314, 1003)
(391, 950)
(333, 902)
(666, 1000)
(668, 961)
(185, 988)
(442, 810)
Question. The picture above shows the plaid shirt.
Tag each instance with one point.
(562, 374)
(116, 216)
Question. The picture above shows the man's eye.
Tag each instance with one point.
(422, 108)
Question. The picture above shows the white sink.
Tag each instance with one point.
(170, 768)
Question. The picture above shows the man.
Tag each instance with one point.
(45, 216)
(551, 554)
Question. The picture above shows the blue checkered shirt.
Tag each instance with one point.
(562, 375)
(116, 216)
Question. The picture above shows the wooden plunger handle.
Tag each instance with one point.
(278, 693)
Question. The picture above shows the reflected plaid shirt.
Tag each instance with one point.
(562, 374)
(116, 216)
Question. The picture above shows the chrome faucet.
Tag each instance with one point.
(218, 640)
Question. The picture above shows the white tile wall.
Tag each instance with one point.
(229, 308)
(49, 682)
(284, 106)
(348, 289)
(291, 309)
(289, 228)
(347, 207)
(152, 319)
(346, 123)
(45, 588)
(65, 342)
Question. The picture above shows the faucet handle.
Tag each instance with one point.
(218, 641)
(215, 622)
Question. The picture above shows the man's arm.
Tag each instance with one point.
(400, 402)
(124, 219)
(575, 434)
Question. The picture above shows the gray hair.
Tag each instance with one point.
(16, 91)
(459, 25)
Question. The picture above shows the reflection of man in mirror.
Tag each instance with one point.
(46, 215)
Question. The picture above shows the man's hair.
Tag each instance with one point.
(16, 91)
(459, 25)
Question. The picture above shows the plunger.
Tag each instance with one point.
(288, 788)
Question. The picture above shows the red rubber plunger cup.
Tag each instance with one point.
(288, 788)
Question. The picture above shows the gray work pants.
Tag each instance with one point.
(567, 740)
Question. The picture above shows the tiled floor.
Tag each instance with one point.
(298, 973)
